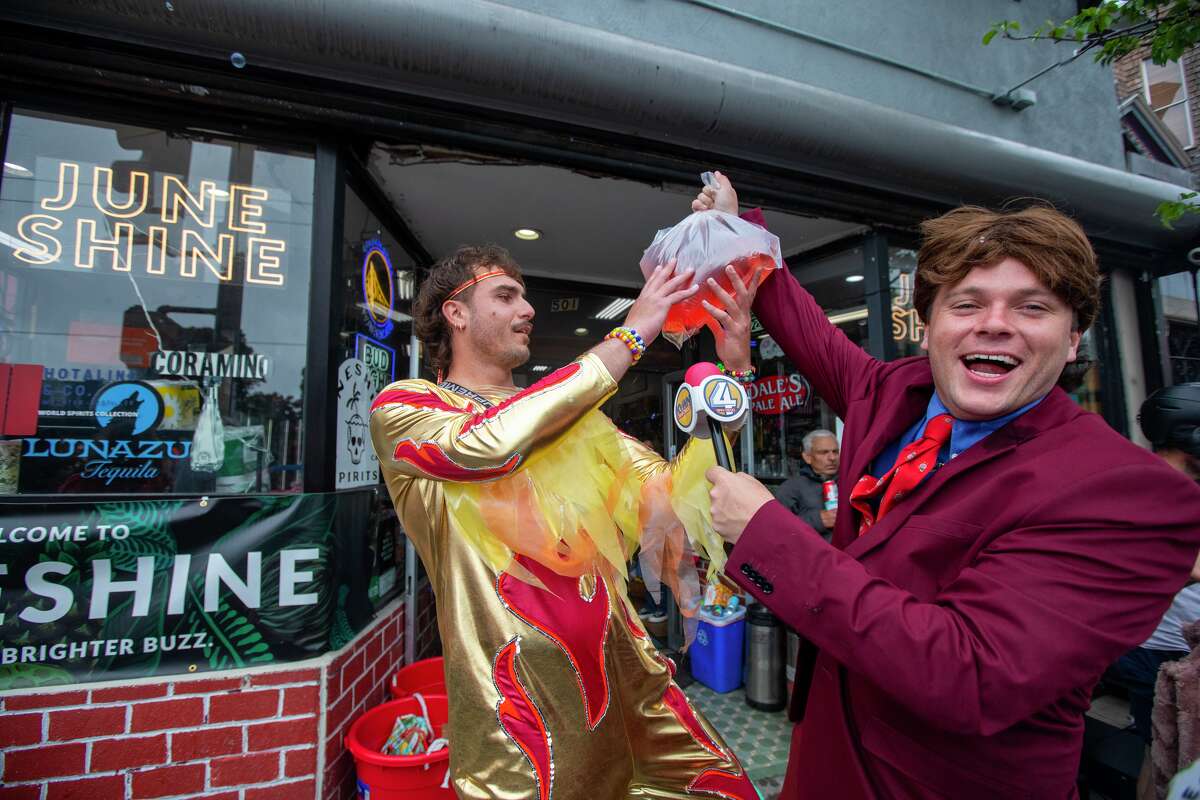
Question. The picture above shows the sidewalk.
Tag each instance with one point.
(759, 738)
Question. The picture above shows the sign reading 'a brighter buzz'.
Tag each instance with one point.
(66, 231)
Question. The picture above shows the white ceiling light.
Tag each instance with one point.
(527, 234)
(540, 368)
(614, 309)
(581, 331)
(853, 278)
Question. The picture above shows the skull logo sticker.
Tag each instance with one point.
(357, 464)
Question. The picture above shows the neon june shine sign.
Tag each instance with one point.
(191, 234)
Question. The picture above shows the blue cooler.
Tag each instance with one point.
(717, 652)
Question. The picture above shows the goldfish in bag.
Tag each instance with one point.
(707, 241)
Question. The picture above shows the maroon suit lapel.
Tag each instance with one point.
(1051, 412)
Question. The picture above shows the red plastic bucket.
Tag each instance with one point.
(383, 777)
(426, 677)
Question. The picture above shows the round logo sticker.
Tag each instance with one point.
(723, 397)
(130, 408)
(683, 407)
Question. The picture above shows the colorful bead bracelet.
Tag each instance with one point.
(630, 338)
(743, 376)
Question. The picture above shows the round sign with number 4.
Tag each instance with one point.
(723, 397)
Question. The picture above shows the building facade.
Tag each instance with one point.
(1168, 92)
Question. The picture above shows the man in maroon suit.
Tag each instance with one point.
(1000, 546)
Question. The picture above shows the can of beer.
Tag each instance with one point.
(829, 494)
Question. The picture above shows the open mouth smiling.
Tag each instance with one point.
(990, 365)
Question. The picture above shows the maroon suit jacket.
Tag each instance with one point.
(951, 651)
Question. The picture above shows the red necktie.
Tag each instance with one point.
(914, 464)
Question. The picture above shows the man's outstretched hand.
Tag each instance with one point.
(736, 497)
(722, 199)
(664, 288)
(731, 327)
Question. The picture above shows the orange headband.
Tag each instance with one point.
(462, 287)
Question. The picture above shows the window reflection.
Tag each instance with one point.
(1167, 94)
(1178, 296)
(159, 282)
(379, 280)
(907, 328)
(784, 405)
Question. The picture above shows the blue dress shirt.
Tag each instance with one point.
(963, 434)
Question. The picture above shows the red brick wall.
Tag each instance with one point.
(356, 680)
(254, 736)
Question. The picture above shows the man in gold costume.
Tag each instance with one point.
(524, 506)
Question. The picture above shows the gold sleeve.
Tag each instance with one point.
(647, 463)
(417, 430)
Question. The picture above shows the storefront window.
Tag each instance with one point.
(1083, 378)
(159, 282)
(1178, 295)
(379, 281)
(907, 328)
(784, 409)
(378, 286)
(783, 403)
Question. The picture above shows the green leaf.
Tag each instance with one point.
(25, 676)
(987, 37)
(1171, 211)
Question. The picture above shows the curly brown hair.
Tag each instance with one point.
(1048, 242)
(446, 275)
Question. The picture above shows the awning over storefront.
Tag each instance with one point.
(488, 55)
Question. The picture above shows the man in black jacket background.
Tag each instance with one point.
(802, 494)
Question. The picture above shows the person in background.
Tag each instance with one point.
(997, 546)
(804, 494)
(1170, 419)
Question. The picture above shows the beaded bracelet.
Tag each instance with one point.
(742, 376)
(630, 338)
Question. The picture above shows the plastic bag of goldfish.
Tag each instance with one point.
(707, 241)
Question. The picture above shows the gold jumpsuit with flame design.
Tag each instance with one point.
(555, 689)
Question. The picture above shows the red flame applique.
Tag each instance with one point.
(416, 399)
(720, 783)
(633, 627)
(578, 625)
(432, 460)
(520, 718)
(677, 701)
